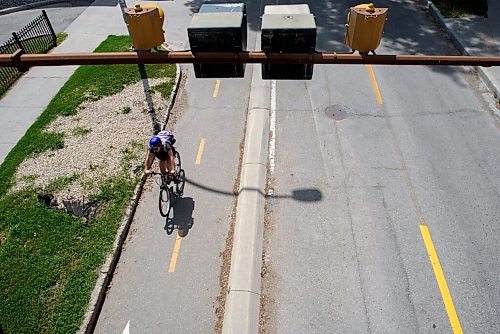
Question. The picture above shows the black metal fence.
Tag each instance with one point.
(36, 37)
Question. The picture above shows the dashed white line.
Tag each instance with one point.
(272, 128)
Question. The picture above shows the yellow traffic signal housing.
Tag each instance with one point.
(364, 27)
(145, 25)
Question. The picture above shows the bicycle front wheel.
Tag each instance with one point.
(179, 186)
(165, 201)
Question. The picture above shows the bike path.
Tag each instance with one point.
(144, 293)
(169, 283)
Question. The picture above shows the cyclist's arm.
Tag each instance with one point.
(149, 160)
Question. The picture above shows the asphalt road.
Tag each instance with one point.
(60, 15)
(378, 152)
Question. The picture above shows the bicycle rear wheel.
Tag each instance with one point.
(177, 159)
(179, 186)
(165, 201)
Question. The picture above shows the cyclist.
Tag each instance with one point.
(160, 146)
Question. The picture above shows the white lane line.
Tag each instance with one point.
(272, 128)
(127, 328)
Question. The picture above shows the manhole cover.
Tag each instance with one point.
(337, 111)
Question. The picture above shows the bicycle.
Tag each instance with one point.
(167, 194)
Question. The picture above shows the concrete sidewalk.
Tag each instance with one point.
(476, 36)
(31, 94)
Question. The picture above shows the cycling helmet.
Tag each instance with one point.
(154, 142)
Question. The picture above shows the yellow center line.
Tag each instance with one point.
(443, 286)
(216, 88)
(374, 83)
(175, 254)
(200, 151)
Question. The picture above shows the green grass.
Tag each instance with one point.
(458, 8)
(126, 110)
(29, 178)
(80, 131)
(61, 182)
(164, 89)
(60, 37)
(49, 259)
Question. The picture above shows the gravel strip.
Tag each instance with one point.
(96, 140)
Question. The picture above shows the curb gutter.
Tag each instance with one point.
(30, 6)
(241, 312)
(173, 94)
(106, 271)
(484, 73)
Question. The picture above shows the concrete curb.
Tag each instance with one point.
(487, 78)
(173, 94)
(30, 6)
(241, 313)
(106, 271)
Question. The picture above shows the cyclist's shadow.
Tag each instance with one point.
(180, 216)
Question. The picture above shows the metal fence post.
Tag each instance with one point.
(18, 41)
(54, 38)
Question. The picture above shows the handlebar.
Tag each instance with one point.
(168, 175)
(156, 173)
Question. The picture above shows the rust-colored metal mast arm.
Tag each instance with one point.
(60, 59)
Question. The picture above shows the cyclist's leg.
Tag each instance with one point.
(170, 157)
(163, 166)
